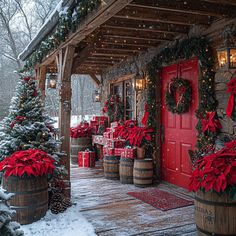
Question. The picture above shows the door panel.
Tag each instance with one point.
(179, 130)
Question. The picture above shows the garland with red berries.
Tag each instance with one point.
(183, 87)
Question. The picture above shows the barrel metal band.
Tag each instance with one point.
(223, 204)
(211, 233)
(30, 207)
(143, 178)
(140, 169)
(30, 192)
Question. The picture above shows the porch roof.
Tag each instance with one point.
(119, 29)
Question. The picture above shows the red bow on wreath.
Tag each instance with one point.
(146, 114)
(210, 123)
(232, 90)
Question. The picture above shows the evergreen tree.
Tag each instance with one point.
(27, 126)
(7, 228)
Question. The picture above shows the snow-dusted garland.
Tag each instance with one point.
(69, 19)
(182, 86)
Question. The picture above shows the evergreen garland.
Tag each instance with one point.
(188, 48)
(184, 87)
(67, 23)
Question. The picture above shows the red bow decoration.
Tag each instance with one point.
(210, 123)
(146, 114)
(232, 90)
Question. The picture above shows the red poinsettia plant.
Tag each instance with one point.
(134, 135)
(26, 163)
(81, 130)
(216, 172)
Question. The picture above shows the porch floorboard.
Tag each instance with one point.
(112, 212)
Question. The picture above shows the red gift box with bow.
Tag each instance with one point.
(86, 159)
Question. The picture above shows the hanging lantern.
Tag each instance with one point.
(97, 96)
(227, 54)
(52, 81)
(140, 82)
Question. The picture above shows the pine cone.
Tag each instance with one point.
(56, 197)
(56, 207)
(66, 202)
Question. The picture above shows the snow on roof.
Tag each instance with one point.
(45, 29)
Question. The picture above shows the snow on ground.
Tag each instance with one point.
(69, 223)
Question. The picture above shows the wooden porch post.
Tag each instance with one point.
(64, 64)
(41, 77)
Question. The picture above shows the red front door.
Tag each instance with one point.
(179, 133)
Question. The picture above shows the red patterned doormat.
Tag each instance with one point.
(161, 200)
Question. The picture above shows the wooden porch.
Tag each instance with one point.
(106, 204)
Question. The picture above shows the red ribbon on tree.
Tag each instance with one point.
(146, 114)
(232, 90)
(210, 123)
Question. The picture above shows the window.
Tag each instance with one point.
(125, 90)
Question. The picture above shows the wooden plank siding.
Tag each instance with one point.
(114, 213)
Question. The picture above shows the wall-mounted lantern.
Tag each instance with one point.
(96, 96)
(52, 81)
(140, 82)
(227, 57)
(227, 54)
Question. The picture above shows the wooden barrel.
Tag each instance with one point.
(143, 172)
(215, 214)
(111, 167)
(126, 170)
(31, 197)
(78, 144)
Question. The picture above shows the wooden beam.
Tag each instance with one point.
(140, 29)
(106, 53)
(188, 7)
(139, 13)
(64, 64)
(41, 77)
(95, 79)
(117, 50)
(138, 34)
(225, 2)
(147, 45)
(137, 38)
(123, 46)
(165, 27)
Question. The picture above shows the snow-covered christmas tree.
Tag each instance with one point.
(27, 126)
(7, 228)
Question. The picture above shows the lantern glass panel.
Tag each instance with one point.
(222, 57)
(232, 53)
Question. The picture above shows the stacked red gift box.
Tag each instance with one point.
(98, 121)
(129, 152)
(86, 159)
